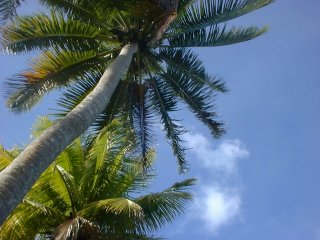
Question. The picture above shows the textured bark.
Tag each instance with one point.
(21, 174)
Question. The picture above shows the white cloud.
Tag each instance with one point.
(224, 158)
(218, 202)
(218, 207)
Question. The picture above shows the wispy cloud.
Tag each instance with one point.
(218, 202)
(224, 158)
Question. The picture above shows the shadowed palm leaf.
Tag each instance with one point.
(89, 192)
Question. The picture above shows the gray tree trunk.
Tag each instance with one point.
(17, 179)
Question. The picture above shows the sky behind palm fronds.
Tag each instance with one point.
(260, 181)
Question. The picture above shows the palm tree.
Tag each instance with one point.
(91, 192)
(145, 47)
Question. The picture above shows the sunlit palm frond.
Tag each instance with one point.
(5, 158)
(24, 222)
(164, 206)
(77, 228)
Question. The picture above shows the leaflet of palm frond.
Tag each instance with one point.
(8, 9)
(164, 206)
(199, 99)
(188, 63)
(23, 94)
(44, 31)
(77, 228)
(164, 101)
(142, 120)
(215, 36)
(202, 14)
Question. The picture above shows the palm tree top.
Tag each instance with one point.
(79, 39)
(92, 190)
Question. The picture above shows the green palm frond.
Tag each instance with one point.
(188, 63)
(113, 206)
(142, 116)
(164, 101)
(198, 98)
(207, 13)
(215, 36)
(8, 9)
(164, 206)
(53, 69)
(77, 228)
(5, 158)
(24, 222)
(71, 187)
(89, 189)
(44, 31)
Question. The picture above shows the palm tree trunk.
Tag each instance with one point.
(20, 175)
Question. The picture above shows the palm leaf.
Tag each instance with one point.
(198, 99)
(207, 13)
(8, 9)
(188, 63)
(77, 228)
(215, 36)
(114, 206)
(5, 158)
(42, 32)
(164, 206)
(164, 102)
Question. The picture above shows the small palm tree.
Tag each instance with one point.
(91, 192)
(134, 54)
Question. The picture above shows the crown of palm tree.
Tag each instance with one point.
(78, 43)
(90, 192)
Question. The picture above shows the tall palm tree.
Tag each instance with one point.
(145, 47)
(91, 192)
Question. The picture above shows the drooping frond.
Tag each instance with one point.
(24, 222)
(202, 14)
(164, 102)
(77, 228)
(215, 36)
(53, 69)
(164, 206)
(43, 31)
(188, 63)
(198, 98)
(8, 9)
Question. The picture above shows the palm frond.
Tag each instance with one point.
(164, 206)
(188, 63)
(5, 158)
(8, 9)
(24, 222)
(164, 101)
(53, 69)
(44, 31)
(75, 197)
(207, 13)
(197, 97)
(77, 228)
(215, 36)
(114, 206)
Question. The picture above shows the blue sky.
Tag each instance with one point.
(261, 180)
